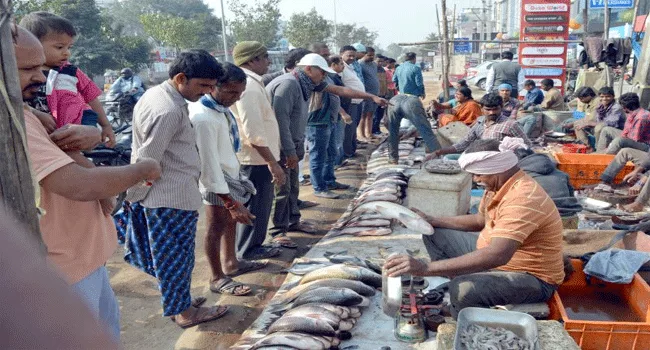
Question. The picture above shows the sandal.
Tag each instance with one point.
(246, 266)
(264, 253)
(304, 226)
(202, 315)
(284, 242)
(229, 286)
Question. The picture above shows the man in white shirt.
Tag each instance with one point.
(351, 80)
(224, 189)
(505, 72)
(260, 149)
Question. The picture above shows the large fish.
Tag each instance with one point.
(298, 290)
(329, 295)
(379, 197)
(406, 216)
(342, 258)
(301, 268)
(356, 273)
(312, 311)
(300, 341)
(369, 223)
(360, 232)
(367, 216)
(310, 325)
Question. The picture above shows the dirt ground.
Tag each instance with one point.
(143, 326)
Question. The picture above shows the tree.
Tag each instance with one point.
(172, 30)
(347, 34)
(306, 28)
(394, 51)
(134, 52)
(259, 22)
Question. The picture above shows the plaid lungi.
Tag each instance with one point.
(160, 242)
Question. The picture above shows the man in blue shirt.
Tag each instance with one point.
(408, 77)
(534, 97)
(407, 104)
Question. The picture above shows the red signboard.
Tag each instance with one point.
(545, 20)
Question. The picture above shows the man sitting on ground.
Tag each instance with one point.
(553, 99)
(510, 252)
(586, 103)
(534, 96)
(610, 119)
(493, 125)
(636, 133)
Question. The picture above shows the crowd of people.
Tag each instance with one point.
(231, 137)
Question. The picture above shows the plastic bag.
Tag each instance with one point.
(616, 265)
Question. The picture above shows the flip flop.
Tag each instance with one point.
(229, 286)
(202, 315)
(304, 226)
(284, 242)
(246, 266)
(196, 302)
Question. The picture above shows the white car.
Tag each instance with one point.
(477, 76)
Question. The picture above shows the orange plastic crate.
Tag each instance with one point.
(585, 169)
(574, 148)
(606, 335)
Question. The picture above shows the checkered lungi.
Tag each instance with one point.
(160, 242)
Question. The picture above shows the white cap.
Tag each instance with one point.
(315, 60)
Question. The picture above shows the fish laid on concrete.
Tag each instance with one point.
(357, 286)
(369, 223)
(389, 180)
(406, 216)
(342, 258)
(390, 173)
(343, 311)
(329, 295)
(347, 272)
(360, 232)
(300, 341)
(311, 325)
(303, 267)
(385, 197)
(362, 217)
(311, 311)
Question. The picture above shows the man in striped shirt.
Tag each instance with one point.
(160, 220)
(510, 252)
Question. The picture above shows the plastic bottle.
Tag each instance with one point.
(391, 288)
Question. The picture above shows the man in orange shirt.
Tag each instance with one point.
(510, 252)
(78, 236)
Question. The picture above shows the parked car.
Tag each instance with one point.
(477, 76)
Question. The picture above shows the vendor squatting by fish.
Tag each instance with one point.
(510, 252)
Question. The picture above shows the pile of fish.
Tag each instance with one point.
(409, 154)
(377, 205)
(477, 337)
(318, 312)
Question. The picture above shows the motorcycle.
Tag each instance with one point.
(117, 156)
(119, 110)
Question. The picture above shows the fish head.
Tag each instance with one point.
(416, 224)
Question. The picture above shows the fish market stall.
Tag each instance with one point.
(344, 268)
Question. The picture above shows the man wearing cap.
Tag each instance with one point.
(290, 95)
(510, 252)
(259, 151)
(127, 83)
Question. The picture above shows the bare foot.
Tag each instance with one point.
(633, 207)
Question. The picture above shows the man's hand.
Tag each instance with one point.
(150, 169)
(405, 264)
(426, 217)
(632, 177)
(279, 178)
(108, 136)
(46, 119)
(74, 137)
(292, 162)
(240, 214)
(107, 204)
(347, 119)
(382, 102)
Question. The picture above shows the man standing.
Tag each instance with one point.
(290, 94)
(505, 72)
(371, 84)
(78, 236)
(161, 219)
(260, 149)
(636, 133)
(510, 252)
(351, 80)
(382, 76)
(224, 189)
(407, 105)
(492, 125)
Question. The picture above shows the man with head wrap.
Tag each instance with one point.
(510, 252)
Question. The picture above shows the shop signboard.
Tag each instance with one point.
(546, 21)
(612, 4)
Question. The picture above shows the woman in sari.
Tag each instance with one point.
(463, 108)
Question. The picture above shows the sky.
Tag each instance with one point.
(394, 20)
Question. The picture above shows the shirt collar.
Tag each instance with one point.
(174, 93)
(498, 196)
(252, 74)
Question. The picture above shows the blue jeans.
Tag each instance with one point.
(409, 107)
(528, 123)
(319, 137)
(339, 136)
(376, 120)
(95, 289)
